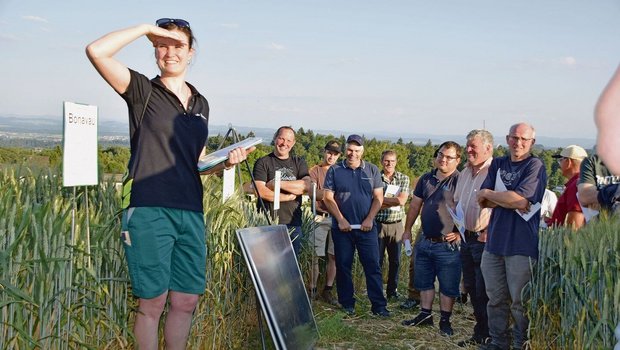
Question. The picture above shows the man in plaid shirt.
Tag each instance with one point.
(390, 218)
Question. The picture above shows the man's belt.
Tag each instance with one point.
(471, 234)
(439, 239)
(322, 213)
(390, 222)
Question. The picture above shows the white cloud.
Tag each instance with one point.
(568, 61)
(275, 46)
(35, 19)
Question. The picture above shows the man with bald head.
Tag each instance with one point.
(515, 183)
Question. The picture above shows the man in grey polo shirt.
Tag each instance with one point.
(353, 196)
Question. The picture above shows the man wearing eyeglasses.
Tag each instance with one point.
(568, 211)
(390, 218)
(436, 252)
(515, 183)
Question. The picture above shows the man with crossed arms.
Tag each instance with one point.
(512, 239)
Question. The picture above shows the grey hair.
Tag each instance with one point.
(515, 126)
(484, 135)
(388, 152)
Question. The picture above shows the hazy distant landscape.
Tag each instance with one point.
(46, 131)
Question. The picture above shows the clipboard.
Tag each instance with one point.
(221, 155)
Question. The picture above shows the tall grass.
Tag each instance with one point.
(55, 295)
(575, 290)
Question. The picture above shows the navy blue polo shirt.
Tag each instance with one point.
(432, 192)
(353, 189)
(508, 233)
(165, 145)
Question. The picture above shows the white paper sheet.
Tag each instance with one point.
(501, 187)
(276, 189)
(528, 215)
(458, 216)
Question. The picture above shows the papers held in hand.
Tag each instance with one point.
(221, 155)
(501, 187)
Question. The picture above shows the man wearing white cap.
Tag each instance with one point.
(568, 211)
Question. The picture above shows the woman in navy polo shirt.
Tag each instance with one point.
(163, 223)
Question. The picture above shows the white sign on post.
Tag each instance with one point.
(229, 183)
(79, 155)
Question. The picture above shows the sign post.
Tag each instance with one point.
(79, 163)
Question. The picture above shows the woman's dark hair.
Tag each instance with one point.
(186, 30)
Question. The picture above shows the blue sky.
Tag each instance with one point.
(432, 67)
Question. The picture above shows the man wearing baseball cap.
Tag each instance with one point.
(568, 210)
(322, 235)
(353, 196)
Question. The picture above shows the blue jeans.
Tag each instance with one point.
(345, 244)
(505, 278)
(471, 257)
(440, 261)
(393, 249)
(296, 237)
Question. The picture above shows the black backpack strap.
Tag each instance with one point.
(128, 176)
(148, 97)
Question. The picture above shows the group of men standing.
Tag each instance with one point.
(481, 223)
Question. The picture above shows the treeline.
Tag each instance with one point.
(413, 160)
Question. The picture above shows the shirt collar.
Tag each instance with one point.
(157, 81)
(344, 164)
(486, 164)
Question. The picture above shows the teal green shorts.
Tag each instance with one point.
(165, 250)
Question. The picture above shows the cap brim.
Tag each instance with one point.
(333, 149)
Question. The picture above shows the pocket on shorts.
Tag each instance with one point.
(125, 218)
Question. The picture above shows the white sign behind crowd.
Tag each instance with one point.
(79, 145)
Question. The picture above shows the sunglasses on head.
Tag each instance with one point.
(181, 23)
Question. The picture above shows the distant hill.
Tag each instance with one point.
(16, 126)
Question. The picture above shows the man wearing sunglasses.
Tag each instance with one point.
(515, 183)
